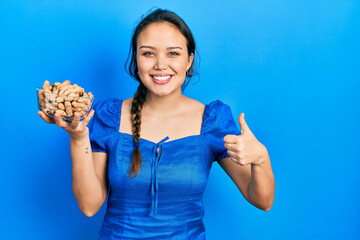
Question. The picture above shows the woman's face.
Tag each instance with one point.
(162, 58)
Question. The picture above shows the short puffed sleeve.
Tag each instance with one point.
(104, 122)
(218, 122)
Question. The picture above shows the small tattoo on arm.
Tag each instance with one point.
(87, 150)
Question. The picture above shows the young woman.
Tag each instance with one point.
(152, 154)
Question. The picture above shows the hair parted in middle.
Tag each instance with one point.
(159, 15)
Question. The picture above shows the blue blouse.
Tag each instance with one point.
(164, 201)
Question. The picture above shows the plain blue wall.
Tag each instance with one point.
(291, 66)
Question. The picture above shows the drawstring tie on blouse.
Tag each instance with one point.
(154, 181)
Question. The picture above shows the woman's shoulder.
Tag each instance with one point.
(215, 107)
(107, 103)
(107, 108)
(216, 114)
(194, 104)
(213, 103)
(217, 103)
(106, 115)
(126, 104)
(210, 108)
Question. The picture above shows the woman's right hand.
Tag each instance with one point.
(76, 129)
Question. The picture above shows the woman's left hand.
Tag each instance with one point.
(245, 149)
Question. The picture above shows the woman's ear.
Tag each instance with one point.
(190, 61)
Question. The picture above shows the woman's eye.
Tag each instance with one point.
(174, 53)
(147, 53)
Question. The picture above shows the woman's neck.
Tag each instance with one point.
(164, 105)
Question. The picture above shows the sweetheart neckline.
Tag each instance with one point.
(154, 143)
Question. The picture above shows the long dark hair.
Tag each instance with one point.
(159, 15)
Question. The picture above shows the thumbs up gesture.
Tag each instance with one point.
(245, 149)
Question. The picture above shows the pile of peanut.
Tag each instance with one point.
(64, 99)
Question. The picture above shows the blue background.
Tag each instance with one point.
(291, 66)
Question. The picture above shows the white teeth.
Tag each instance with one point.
(162, 78)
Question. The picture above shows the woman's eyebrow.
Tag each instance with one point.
(146, 47)
(169, 48)
(173, 48)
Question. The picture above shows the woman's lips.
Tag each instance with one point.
(161, 79)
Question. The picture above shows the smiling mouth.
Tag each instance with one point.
(161, 79)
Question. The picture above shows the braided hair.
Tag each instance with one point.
(136, 107)
(139, 98)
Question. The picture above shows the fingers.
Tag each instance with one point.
(232, 154)
(233, 142)
(88, 117)
(231, 139)
(232, 147)
(243, 125)
(237, 149)
(46, 118)
(75, 121)
(86, 120)
(59, 121)
(237, 159)
(74, 127)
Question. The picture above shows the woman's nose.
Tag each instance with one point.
(160, 63)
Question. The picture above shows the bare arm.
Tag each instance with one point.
(249, 167)
(255, 182)
(89, 176)
(262, 186)
(89, 170)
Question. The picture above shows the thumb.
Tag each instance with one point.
(243, 125)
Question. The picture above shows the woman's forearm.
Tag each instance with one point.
(262, 186)
(87, 187)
